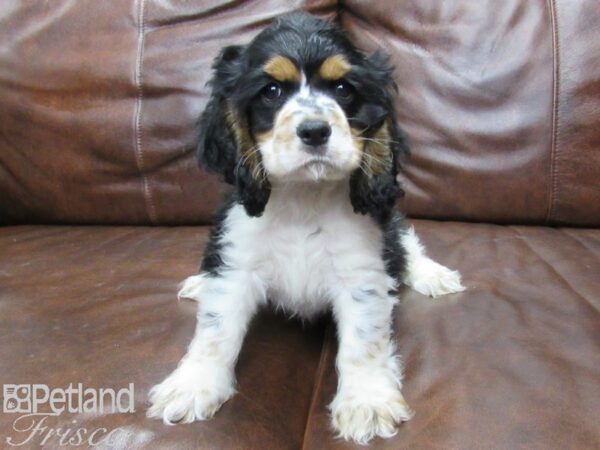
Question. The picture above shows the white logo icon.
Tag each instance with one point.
(17, 398)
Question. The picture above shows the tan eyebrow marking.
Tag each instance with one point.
(334, 67)
(282, 69)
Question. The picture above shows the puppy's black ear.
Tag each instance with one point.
(374, 187)
(225, 145)
(217, 146)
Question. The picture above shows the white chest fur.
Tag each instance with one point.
(306, 246)
(307, 252)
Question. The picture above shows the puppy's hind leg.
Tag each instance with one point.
(423, 274)
(204, 379)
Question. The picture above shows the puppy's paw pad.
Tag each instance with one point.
(433, 279)
(186, 395)
(360, 419)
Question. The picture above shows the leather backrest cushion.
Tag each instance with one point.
(501, 101)
(99, 102)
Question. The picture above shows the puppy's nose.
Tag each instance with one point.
(314, 132)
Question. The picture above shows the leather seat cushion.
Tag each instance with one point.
(514, 362)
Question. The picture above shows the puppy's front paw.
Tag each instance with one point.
(361, 413)
(430, 278)
(194, 391)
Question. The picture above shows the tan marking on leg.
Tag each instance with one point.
(212, 349)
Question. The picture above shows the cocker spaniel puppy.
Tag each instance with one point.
(302, 124)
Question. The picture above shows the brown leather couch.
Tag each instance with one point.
(105, 212)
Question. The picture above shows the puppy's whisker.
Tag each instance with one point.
(360, 131)
(378, 140)
(364, 169)
(246, 156)
(374, 159)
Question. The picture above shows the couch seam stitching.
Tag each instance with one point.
(555, 112)
(564, 280)
(325, 351)
(139, 150)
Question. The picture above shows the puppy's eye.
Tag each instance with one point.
(271, 92)
(343, 91)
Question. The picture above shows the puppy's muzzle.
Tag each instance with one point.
(315, 134)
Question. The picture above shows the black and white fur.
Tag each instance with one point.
(308, 227)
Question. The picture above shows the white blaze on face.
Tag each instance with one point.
(286, 158)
